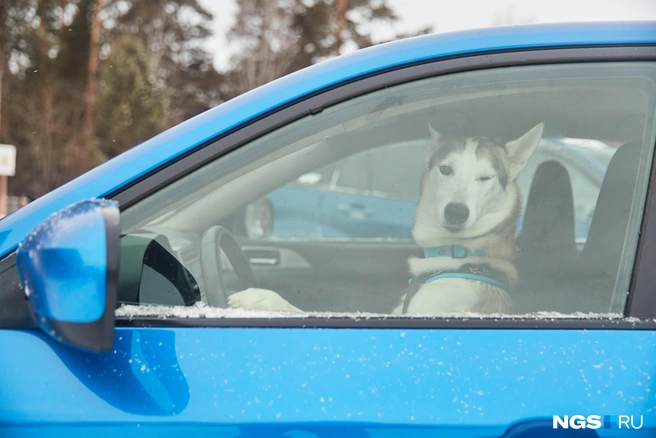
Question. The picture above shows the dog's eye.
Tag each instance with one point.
(485, 178)
(446, 170)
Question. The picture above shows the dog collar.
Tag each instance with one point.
(453, 251)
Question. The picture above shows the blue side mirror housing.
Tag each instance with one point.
(69, 269)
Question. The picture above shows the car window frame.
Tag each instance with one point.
(640, 308)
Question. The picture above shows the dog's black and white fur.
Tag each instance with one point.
(469, 200)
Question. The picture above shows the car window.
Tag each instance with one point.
(504, 191)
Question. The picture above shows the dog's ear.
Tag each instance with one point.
(520, 150)
(434, 145)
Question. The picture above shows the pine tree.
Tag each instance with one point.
(130, 107)
(277, 37)
(173, 31)
(151, 68)
(267, 46)
(51, 109)
(39, 132)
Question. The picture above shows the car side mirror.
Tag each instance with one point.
(69, 269)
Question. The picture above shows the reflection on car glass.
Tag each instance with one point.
(339, 213)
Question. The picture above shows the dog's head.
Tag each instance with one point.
(470, 186)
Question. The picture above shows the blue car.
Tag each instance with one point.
(115, 315)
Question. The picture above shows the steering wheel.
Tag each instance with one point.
(215, 239)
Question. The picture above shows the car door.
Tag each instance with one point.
(230, 372)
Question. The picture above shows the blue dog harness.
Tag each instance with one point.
(453, 251)
(468, 271)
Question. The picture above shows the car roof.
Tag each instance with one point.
(179, 140)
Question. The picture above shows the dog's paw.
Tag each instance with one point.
(261, 299)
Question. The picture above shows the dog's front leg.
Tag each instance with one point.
(261, 299)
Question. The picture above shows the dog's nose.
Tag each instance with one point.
(456, 213)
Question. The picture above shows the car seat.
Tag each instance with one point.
(546, 243)
(586, 281)
(595, 271)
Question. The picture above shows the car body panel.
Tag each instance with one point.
(119, 172)
(236, 378)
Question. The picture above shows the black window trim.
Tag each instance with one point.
(640, 310)
(395, 322)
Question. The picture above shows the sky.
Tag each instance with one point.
(451, 15)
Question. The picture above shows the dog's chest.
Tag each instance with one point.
(453, 295)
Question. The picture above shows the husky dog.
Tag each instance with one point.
(465, 222)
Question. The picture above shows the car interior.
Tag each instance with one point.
(187, 243)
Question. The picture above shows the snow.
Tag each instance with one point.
(202, 310)
(198, 310)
